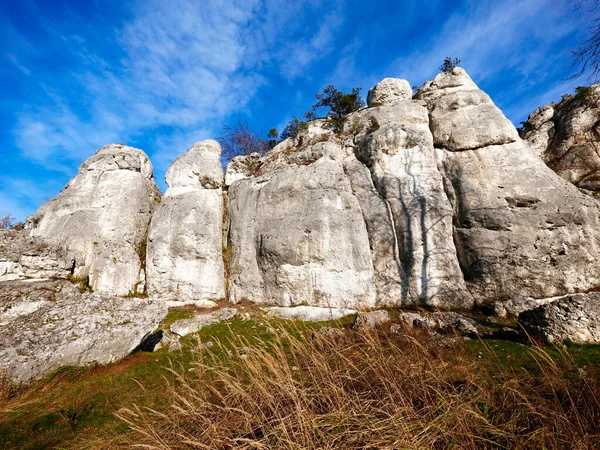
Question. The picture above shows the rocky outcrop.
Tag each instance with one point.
(184, 252)
(519, 229)
(456, 209)
(389, 91)
(23, 256)
(101, 218)
(573, 318)
(414, 239)
(296, 230)
(45, 325)
(566, 135)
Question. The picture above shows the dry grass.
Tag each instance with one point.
(371, 391)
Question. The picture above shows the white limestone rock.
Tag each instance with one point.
(241, 167)
(411, 233)
(184, 254)
(513, 218)
(50, 324)
(389, 91)
(26, 257)
(298, 237)
(462, 117)
(305, 313)
(184, 327)
(101, 218)
(567, 137)
(573, 318)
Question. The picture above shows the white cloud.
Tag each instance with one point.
(174, 67)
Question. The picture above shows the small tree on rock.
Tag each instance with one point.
(242, 140)
(337, 104)
(449, 64)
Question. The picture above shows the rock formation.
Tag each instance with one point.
(23, 256)
(573, 318)
(566, 135)
(457, 210)
(101, 218)
(184, 253)
(48, 324)
(519, 229)
(429, 199)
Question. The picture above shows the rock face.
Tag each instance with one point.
(389, 91)
(519, 229)
(101, 218)
(22, 256)
(455, 208)
(573, 318)
(297, 234)
(566, 135)
(184, 253)
(45, 325)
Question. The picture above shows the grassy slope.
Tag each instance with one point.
(74, 407)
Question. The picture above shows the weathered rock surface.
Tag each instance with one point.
(567, 137)
(308, 313)
(457, 210)
(462, 117)
(416, 235)
(297, 234)
(242, 167)
(101, 218)
(184, 327)
(184, 254)
(45, 325)
(515, 306)
(23, 256)
(573, 318)
(389, 91)
(519, 229)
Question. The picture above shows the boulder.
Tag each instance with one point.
(184, 255)
(567, 136)
(308, 313)
(461, 116)
(50, 324)
(101, 218)
(389, 91)
(184, 327)
(572, 318)
(371, 319)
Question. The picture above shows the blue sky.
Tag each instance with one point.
(162, 74)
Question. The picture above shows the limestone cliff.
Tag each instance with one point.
(429, 199)
(566, 135)
(101, 218)
(456, 208)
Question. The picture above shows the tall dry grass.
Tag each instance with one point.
(371, 391)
